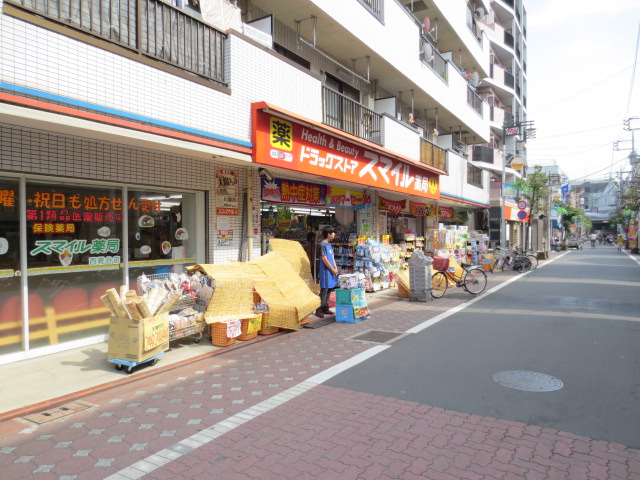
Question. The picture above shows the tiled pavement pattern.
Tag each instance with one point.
(256, 413)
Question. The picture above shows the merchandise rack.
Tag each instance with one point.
(186, 301)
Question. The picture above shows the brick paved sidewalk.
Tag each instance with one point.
(256, 412)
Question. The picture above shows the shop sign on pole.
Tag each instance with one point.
(304, 148)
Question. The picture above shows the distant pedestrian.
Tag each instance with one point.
(620, 242)
(594, 238)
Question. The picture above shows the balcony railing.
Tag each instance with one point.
(508, 39)
(349, 116)
(483, 154)
(149, 27)
(433, 155)
(474, 100)
(375, 6)
(432, 57)
(508, 79)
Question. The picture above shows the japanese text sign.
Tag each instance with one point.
(391, 206)
(292, 191)
(293, 146)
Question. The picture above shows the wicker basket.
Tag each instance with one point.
(403, 292)
(219, 335)
(245, 325)
(265, 329)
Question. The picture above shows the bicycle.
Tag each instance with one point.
(512, 260)
(474, 280)
(531, 256)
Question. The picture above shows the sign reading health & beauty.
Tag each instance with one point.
(284, 143)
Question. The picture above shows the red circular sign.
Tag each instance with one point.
(522, 204)
(522, 214)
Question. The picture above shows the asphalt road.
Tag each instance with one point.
(576, 319)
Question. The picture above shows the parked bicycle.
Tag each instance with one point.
(531, 256)
(473, 280)
(508, 259)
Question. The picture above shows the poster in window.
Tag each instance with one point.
(227, 192)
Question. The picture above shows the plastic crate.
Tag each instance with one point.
(354, 296)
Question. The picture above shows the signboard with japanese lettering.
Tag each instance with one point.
(445, 213)
(294, 146)
(227, 192)
(391, 206)
(293, 191)
(342, 197)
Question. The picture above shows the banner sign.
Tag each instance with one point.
(293, 191)
(392, 206)
(509, 191)
(446, 213)
(418, 209)
(301, 148)
(341, 197)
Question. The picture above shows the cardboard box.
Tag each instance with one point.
(138, 340)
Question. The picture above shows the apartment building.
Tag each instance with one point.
(505, 93)
(142, 136)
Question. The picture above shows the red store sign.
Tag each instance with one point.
(279, 142)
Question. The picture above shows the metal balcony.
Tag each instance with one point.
(347, 115)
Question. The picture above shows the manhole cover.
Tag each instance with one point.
(377, 336)
(527, 381)
(59, 412)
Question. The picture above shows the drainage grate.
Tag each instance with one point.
(377, 336)
(527, 381)
(58, 412)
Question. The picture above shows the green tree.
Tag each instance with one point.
(534, 189)
(572, 215)
(629, 208)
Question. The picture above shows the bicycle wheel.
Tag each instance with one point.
(534, 261)
(474, 281)
(507, 264)
(521, 264)
(439, 284)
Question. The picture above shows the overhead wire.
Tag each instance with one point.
(633, 73)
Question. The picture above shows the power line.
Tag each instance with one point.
(576, 133)
(633, 73)
(586, 89)
(601, 170)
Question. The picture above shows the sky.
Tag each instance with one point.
(583, 82)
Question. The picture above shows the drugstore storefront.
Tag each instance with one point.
(64, 244)
(364, 184)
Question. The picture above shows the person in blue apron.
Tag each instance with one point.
(328, 271)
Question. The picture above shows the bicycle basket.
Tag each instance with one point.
(440, 263)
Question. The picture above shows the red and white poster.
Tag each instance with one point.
(303, 148)
(391, 206)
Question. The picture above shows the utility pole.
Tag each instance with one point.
(522, 129)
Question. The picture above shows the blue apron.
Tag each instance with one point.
(327, 278)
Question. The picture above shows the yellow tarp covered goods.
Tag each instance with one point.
(232, 297)
(296, 256)
(288, 296)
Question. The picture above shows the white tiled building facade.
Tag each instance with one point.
(95, 108)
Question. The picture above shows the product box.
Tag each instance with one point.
(349, 313)
(138, 340)
(355, 297)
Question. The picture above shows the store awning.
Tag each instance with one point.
(286, 140)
